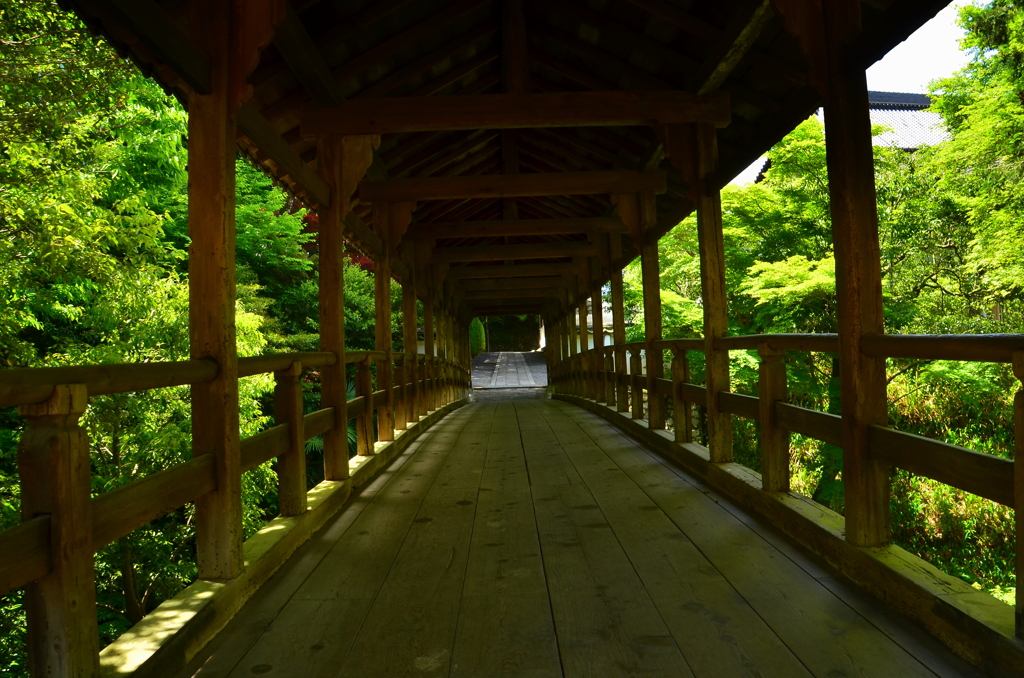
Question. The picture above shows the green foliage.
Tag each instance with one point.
(477, 337)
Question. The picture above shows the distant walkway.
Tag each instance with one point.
(510, 370)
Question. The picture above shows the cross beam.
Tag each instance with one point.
(517, 284)
(518, 270)
(510, 186)
(554, 250)
(399, 115)
(485, 229)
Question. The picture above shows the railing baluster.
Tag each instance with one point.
(682, 410)
(364, 423)
(403, 412)
(291, 465)
(53, 463)
(635, 369)
(609, 377)
(774, 438)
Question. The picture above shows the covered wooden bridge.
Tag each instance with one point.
(510, 157)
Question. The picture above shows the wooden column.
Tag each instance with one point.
(694, 152)
(341, 162)
(53, 466)
(851, 177)
(651, 276)
(774, 438)
(382, 322)
(618, 319)
(291, 466)
(211, 269)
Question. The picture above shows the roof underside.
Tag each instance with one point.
(329, 51)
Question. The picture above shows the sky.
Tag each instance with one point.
(929, 54)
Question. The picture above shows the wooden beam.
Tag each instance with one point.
(516, 271)
(512, 111)
(485, 229)
(426, 63)
(554, 250)
(520, 185)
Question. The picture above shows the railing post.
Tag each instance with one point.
(682, 410)
(635, 369)
(621, 385)
(609, 377)
(403, 412)
(291, 466)
(364, 423)
(53, 463)
(423, 397)
(1018, 486)
(774, 438)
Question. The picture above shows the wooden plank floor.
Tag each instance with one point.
(527, 537)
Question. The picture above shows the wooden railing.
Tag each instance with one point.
(63, 522)
(604, 376)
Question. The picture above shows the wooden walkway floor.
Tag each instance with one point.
(509, 370)
(529, 538)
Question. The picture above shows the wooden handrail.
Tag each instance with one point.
(275, 362)
(120, 511)
(31, 385)
(991, 348)
(819, 343)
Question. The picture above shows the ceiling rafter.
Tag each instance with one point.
(377, 54)
(393, 81)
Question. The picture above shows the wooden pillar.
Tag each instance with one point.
(694, 152)
(341, 162)
(53, 466)
(851, 175)
(382, 322)
(618, 319)
(774, 438)
(650, 274)
(291, 466)
(211, 227)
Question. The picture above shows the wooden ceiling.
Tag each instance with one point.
(327, 52)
